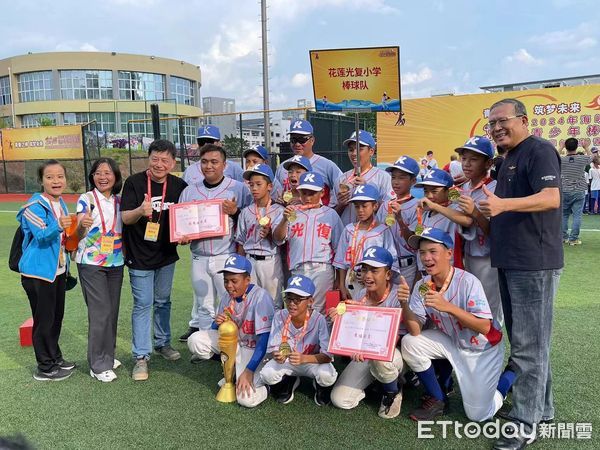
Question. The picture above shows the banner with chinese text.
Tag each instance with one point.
(443, 123)
(359, 80)
(42, 143)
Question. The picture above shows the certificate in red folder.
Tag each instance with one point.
(198, 220)
(369, 330)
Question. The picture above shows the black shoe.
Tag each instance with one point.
(504, 411)
(184, 337)
(511, 443)
(66, 365)
(322, 394)
(411, 379)
(287, 387)
(430, 409)
(55, 375)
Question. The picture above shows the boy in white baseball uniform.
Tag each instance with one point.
(311, 230)
(299, 340)
(345, 185)
(366, 232)
(287, 194)
(379, 291)
(209, 254)
(465, 333)
(251, 308)
(254, 232)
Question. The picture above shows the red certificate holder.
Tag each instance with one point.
(351, 333)
(199, 219)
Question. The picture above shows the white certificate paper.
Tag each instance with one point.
(198, 220)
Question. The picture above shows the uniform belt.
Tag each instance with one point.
(261, 257)
(406, 261)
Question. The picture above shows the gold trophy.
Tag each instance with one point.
(228, 337)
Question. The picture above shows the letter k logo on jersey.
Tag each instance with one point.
(230, 261)
(296, 281)
(370, 253)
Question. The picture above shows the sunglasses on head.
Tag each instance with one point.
(300, 139)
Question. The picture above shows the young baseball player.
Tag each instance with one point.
(209, 254)
(299, 340)
(255, 232)
(288, 193)
(465, 333)
(210, 134)
(311, 230)
(366, 232)
(302, 141)
(251, 308)
(345, 185)
(401, 214)
(379, 291)
(437, 211)
(255, 155)
(477, 155)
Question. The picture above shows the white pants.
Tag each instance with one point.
(481, 267)
(324, 374)
(268, 274)
(323, 276)
(477, 372)
(208, 289)
(205, 343)
(351, 384)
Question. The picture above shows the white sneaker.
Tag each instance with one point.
(116, 363)
(106, 377)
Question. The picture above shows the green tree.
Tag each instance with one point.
(235, 146)
(5, 122)
(46, 122)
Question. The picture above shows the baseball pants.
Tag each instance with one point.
(208, 289)
(481, 267)
(205, 344)
(322, 275)
(357, 376)
(477, 372)
(268, 274)
(324, 374)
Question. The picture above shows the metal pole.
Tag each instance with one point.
(242, 142)
(129, 146)
(4, 164)
(12, 99)
(181, 144)
(357, 165)
(265, 74)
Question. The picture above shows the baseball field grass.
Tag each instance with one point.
(176, 407)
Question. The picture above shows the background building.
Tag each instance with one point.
(218, 105)
(253, 131)
(76, 87)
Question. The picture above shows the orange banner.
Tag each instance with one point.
(42, 143)
(443, 123)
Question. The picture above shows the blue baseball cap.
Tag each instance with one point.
(301, 127)
(478, 144)
(433, 235)
(237, 264)
(260, 169)
(365, 193)
(405, 164)
(300, 285)
(311, 181)
(259, 150)
(209, 132)
(377, 257)
(364, 138)
(436, 177)
(300, 160)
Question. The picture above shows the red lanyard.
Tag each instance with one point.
(419, 215)
(356, 250)
(363, 301)
(258, 216)
(162, 201)
(286, 329)
(231, 307)
(486, 180)
(112, 231)
(362, 174)
(446, 283)
(307, 207)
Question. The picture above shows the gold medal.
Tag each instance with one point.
(340, 308)
(453, 194)
(423, 289)
(344, 188)
(264, 221)
(293, 216)
(390, 220)
(284, 349)
(288, 196)
(419, 229)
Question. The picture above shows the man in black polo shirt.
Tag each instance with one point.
(526, 247)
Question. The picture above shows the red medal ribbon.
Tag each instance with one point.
(162, 200)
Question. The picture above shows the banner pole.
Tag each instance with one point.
(357, 165)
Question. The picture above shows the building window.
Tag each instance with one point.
(5, 97)
(189, 130)
(105, 121)
(86, 84)
(143, 128)
(141, 86)
(35, 120)
(181, 90)
(35, 86)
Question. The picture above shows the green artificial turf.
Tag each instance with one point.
(176, 407)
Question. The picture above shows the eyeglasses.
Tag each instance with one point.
(295, 300)
(300, 139)
(492, 123)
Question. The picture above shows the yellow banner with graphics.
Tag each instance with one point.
(64, 142)
(360, 79)
(441, 124)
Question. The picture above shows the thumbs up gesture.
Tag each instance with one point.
(146, 206)
(492, 205)
(87, 221)
(403, 291)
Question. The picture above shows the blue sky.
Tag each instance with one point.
(444, 45)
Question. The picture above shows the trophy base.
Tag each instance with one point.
(227, 393)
